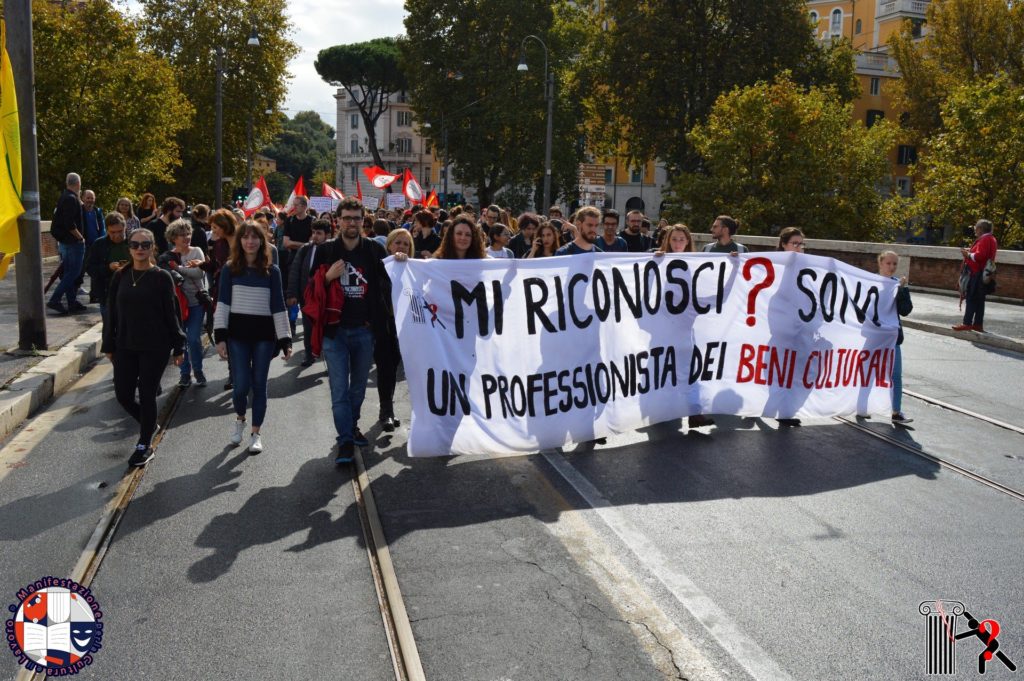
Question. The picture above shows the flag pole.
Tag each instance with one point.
(28, 263)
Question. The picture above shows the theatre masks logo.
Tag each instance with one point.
(55, 627)
(981, 637)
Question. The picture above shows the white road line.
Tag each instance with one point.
(741, 647)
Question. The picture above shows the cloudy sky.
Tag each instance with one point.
(322, 23)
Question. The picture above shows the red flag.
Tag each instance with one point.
(299, 190)
(432, 199)
(259, 196)
(379, 177)
(359, 191)
(411, 188)
(331, 192)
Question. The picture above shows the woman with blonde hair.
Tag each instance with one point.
(676, 239)
(131, 222)
(251, 325)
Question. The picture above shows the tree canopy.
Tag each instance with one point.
(774, 155)
(303, 146)
(660, 66)
(107, 108)
(255, 81)
(461, 57)
(369, 72)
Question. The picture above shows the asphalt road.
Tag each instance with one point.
(741, 551)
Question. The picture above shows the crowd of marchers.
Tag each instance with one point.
(165, 275)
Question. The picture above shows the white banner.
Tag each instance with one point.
(323, 204)
(371, 202)
(396, 200)
(521, 355)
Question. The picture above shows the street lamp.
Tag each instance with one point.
(218, 189)
(253, 41)
(549, 94)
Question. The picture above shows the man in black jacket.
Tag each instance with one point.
(66, 228)
(298, 277)
(106, 255)
(357, 263)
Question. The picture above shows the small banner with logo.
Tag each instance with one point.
(507, 356)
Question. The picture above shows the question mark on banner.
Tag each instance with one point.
(769, 278)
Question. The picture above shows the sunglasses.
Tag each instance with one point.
(140, 245)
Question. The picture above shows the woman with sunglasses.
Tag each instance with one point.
(142, 328)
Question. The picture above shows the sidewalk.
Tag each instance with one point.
(938, 313)
(29, 381)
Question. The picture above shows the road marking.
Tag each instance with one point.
(32, 433)
(741, 647)
(672, 653)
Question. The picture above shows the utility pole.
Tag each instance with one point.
(218, 192)
(29, 262)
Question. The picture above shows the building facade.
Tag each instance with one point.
(399, 142)
(868, 25)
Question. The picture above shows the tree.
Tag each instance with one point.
(186, 34)
(974, 167)
(369, 72)
(967, 39)
(661, 65)
(107, 108)
(774, 155)
(303, 147)
(469, 88)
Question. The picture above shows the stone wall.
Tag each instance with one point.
(935, 267)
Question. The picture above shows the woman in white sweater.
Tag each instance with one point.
(188, 261)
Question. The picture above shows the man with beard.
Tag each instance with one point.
(587, 219)
(636, 240)
(357, 264)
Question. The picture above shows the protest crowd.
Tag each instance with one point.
(165, 275)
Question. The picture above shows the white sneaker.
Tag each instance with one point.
(255, 444)
(236, 437)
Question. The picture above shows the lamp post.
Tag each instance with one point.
(218, 189)
(549, 94)
(253, 41)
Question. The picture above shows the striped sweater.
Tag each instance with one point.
(251, 307)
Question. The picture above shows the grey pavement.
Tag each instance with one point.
(1004, 319)
(740, 551)
(60, 329)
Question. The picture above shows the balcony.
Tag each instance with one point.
(914, 9)
(877, 64)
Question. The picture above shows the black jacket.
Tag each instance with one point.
(67, 217)
(97, 268)
(298, 273)
(377, 300)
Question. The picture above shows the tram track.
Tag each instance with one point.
(938, 460)
(398, 630)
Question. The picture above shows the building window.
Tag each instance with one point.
(608, 177)
(907, 155)
(836, 29)
(403, 97)
(354, 121)
(903, 186)
(814, 19)
(403, 145)
(874, 115)
(859, 26)
(353, 146)
(876, 86)
(353, 174)
(916, 26)
(443, 174)
(636, 175)
(404, 118)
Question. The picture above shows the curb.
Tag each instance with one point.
(990, 339)
(24, 395)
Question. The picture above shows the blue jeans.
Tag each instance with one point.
(250, 364)
(348, 357)
(897, 382)
(72, 257)
(193, 341)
